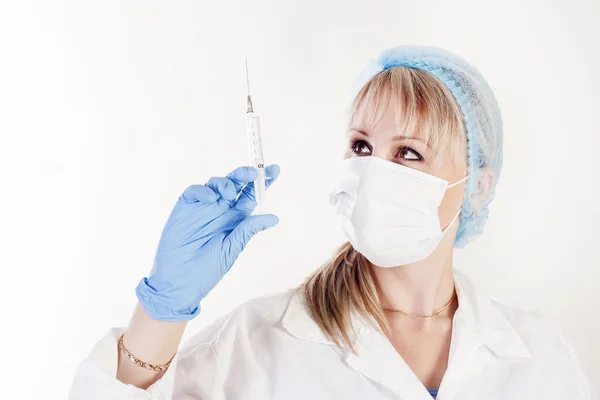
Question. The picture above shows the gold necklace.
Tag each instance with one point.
(422, 316)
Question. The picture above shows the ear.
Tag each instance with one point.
(480, 197)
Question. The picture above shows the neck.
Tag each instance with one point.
(419, 288)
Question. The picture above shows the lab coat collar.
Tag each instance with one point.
(298, 322)
(488, 324)
(476, 314)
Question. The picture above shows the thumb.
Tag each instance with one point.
(235, 242)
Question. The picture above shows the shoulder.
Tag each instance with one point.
(256, 315)
(525, 339)
(507, 329)
(538, 332)
(550, 349)
(232, 345)
(552, 355)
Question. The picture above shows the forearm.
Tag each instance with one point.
(154, 342)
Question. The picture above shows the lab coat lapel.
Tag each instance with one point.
(480, 332)
(377, 359)
(468, 356)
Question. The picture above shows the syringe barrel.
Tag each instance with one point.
(256, 159)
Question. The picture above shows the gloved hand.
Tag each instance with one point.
(205, 233)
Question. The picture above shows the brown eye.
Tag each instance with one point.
(360, 147)
(406, 153)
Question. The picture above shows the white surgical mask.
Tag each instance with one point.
(388, 211)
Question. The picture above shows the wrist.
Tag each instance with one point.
(152, 341)
(164, 308)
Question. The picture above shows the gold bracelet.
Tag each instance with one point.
(139, 362)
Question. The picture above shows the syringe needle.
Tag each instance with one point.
(247, 79)
(249, 99)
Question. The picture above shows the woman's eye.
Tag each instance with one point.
(360, 147)
(406, 153)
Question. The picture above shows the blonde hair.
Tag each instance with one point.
(344, 285)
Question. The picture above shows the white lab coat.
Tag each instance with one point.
(270, 348)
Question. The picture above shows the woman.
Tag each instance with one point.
(388, 317)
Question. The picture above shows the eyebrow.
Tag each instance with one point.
(394, 138)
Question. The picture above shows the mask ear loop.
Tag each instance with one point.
(451, 222)
(459, 210)
(457, 182)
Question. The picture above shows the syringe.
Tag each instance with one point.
(255, 149)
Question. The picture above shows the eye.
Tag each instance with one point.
(360, 147)
(406, 153)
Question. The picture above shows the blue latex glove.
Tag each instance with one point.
(206, 231)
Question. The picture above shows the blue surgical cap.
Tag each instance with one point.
(480, 110)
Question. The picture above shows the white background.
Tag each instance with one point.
(109, 109)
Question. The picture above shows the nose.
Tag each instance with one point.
(383, 152)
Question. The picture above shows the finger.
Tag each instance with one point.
(241, 176)
(247, 199)
(237, 240)
(272, 173)
(223, 187)
(198, 193)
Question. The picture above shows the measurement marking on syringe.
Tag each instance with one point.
(255, 149)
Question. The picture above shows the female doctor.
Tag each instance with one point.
(388, 317)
